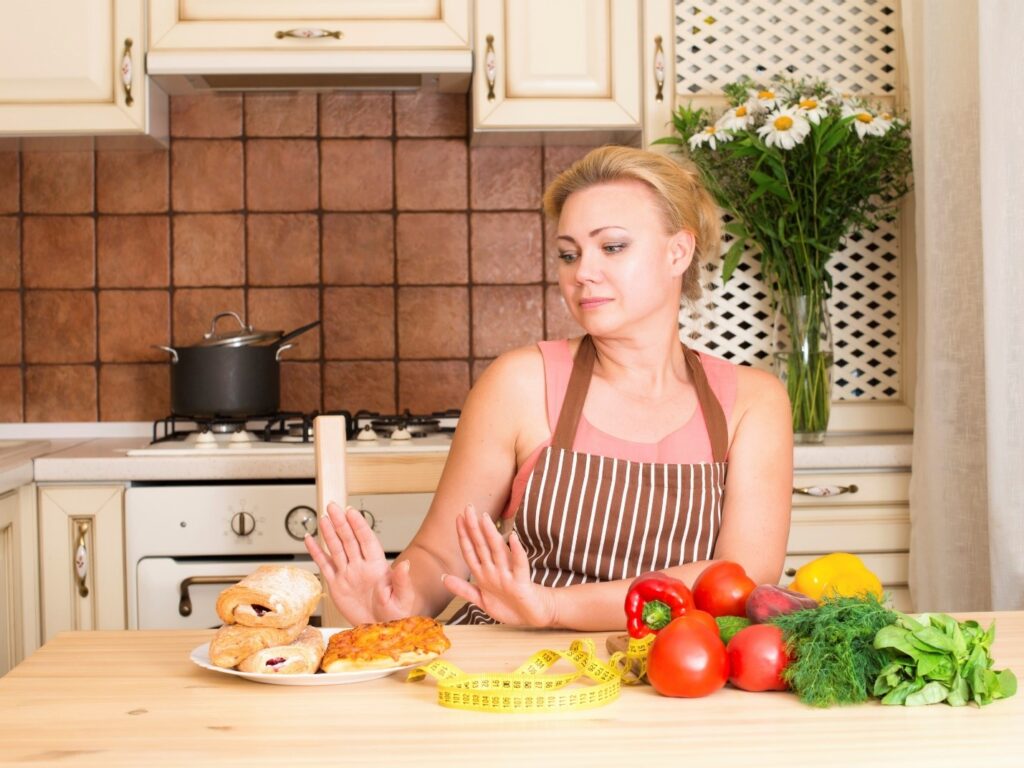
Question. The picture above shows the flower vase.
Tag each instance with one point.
(802, 355)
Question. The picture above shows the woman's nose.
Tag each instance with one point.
(588, 267)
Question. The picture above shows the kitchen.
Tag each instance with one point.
(108, 253)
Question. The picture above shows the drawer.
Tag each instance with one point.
(839, 488)
(819, 530)
(889, 567)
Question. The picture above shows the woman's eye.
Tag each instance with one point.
(567, 256)
(613, 247)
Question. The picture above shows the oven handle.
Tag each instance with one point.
(185, 603)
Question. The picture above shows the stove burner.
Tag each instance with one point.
(225, 427)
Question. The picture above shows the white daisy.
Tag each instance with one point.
(712, 136)
(784, 129)
(736, 119)
(762, 100)
(865, 123)
(811, 108)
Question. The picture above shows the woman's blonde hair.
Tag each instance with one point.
(684, 202)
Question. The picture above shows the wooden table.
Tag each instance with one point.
(134, 699)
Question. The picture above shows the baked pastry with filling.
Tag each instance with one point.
(399, 643)
(300, 657)
(270, 596)
(234, 642)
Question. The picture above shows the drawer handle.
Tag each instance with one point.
(659, 69)
(825, 490)
(127, 71)
(82, 557)
(185, 603)
(790, 572)
(490, 67)
(308, 33)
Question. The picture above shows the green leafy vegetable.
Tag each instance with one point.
(730, 625)
(834, 660)
(938, 659)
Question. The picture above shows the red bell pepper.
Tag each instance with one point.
(653, 600)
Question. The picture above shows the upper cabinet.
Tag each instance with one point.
(74, 67)
(244, 44)
(572, 67)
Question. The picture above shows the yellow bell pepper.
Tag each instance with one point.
(838, 574)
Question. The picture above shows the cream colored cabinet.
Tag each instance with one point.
(81, 550)
(19, 585)
(571, 67)
(76, 67)
(863, 512)
(197, 44)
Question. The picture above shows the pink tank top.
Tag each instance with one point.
(689, 444)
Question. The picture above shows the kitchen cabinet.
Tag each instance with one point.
(865, 512)
(76, 67)
(19, 586)
(198, 44)
(572, 69)
(81, 550)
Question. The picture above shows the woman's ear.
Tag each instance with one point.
(681, 247)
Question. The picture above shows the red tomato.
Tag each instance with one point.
(722, 588)
(687, 659)
(704, 618)
(757, 657)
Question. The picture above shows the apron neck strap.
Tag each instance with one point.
(579, 383)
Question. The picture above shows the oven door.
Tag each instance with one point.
(181, 593)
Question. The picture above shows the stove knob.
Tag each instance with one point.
(243, 523)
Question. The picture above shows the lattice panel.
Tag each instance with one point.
(735, 321)
(851, 43)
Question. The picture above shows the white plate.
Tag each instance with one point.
(200, 656)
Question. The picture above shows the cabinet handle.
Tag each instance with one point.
(82, 557)
(490, 67)
(185, 601)
(308, 33)
(791, 572)
(825, 490)
(127, 73)
(659, 69)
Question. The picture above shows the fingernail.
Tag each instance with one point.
(443, 576)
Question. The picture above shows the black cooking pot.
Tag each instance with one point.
(230, 375)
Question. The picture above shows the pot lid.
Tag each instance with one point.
(242, 336)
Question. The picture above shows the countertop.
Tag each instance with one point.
(134, 698)
(16, 461)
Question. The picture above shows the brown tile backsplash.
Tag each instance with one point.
(424, 257)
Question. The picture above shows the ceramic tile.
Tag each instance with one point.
(59, 252)
(10, 182)
(356, 175)
(433, 322)
(206, 175)
(194, 308)
(133, 251)
(285, 309)
(506, 317)
(558, 157)
(425, 386)
(426, 112)
(355, 114)
(432, 248)
(60, 393)
(11, 394)
(57, 182)
(209, 249)
(280, 114)
(283, 249)
(358, 248)
(442, 162)
(60, 326)
(503, 178)
(134, 392)
(559, 321)
(210, 115)
(551, 260)
(359, 323)
(10, 321)
(132, 182)
(480, 364)
(506, 247)
(281, 175)
(361, 385)
(10, 252)
(131, 323)
(300, 387)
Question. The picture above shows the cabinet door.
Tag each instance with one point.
(82, 557)
(659, 69)
(565, 66)
(19, 583)
(73, 67)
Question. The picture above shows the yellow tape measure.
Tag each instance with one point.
(529, 689)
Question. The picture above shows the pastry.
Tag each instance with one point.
(234, 642)
(270, 596)
(300, 657)
(414, 640)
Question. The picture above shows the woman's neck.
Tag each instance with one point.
(646, 366)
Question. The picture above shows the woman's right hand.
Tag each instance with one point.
(362, 584)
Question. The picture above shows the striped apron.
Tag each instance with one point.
(587, 518)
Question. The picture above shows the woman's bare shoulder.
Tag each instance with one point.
(512, 380)
(756, 387)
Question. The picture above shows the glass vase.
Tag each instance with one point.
(802, 355)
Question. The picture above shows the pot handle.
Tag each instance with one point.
(281, 349)
(174, 352)
(213, 326)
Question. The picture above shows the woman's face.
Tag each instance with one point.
(618, 266)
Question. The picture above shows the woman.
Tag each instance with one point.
(610, 455)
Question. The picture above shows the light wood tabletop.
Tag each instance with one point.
(135, 699)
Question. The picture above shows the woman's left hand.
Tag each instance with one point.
(501, 575)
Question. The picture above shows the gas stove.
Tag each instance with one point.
(292, 433)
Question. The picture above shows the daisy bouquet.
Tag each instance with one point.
(798, 167)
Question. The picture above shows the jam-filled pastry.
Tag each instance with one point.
(270, 596)
(300, 657)
(233, 642)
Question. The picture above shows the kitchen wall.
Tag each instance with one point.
(424, 257)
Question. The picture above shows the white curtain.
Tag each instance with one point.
(967, 115)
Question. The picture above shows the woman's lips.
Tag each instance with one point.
(593, 303)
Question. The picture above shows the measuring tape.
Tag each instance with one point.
(529, 689)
